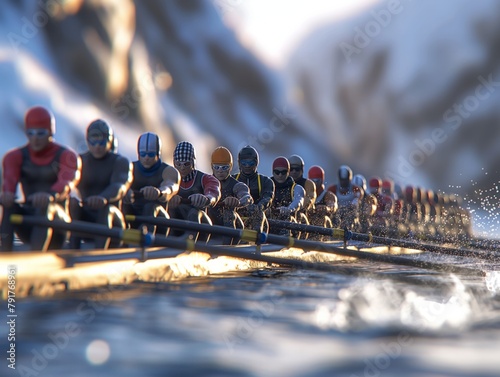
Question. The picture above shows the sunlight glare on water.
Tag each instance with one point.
(97, 352)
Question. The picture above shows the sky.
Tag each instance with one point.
(272, 28)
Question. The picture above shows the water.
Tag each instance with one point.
(266, 322)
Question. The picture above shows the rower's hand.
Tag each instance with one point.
(252, 208)
(150, 193)
(40, 199)
(231, 202)
(174, 201)
(199, 201)
(96, 202)
(7, 199)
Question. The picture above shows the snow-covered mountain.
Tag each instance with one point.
(409, 89)
(168, 66)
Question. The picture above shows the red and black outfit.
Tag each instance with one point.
(196, 182)
(53, 170)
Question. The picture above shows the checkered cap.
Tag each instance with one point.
(184, 151)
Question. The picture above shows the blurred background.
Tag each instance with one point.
(400, 89)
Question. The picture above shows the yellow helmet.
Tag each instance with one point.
(222, 156)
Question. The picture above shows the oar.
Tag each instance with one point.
(138, 237)
(254, 236)
(462, 252)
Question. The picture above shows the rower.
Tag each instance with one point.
(297, 173)
(44, 171)
(288, 196)
(234, 194)
(349, 196)
(383, 214)
(368, 205)
(261, 189)
(325, 205)
(106, 177)
(154, 183)
(197, 192)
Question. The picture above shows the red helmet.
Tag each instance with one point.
(388, 186)
(316, 172)
(281, 162)
(375, 184)
(410, 194)
(40, 117)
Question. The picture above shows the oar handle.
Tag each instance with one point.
(132, 236)
(242, 234)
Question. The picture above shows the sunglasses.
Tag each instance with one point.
(149, 154)
(101, 142)
(248, 163)
(37, 132)
(295, 168)
(280, 172)
(220, 167)
(182, 164)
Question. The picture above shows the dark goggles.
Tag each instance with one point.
(149, 154)
(248, 163)
(280, 172)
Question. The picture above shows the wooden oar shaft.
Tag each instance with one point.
(307, 245)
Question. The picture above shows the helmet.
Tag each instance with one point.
(184, 151)
(345, 176)
(296, 160)
(410, 194)
(222, 156)
(100, 129)
(360, 181)
(248, 153)
(281, 162)
(149, 142)
(316, 172)
(388, 186)
(40, 117)
(345, 173)
(375, 184)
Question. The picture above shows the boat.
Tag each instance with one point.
(163, 259)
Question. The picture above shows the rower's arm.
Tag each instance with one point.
(211, 189)
(242, 192)
(120, 181)
(170, 184)
(298, 198)
(267, 192)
